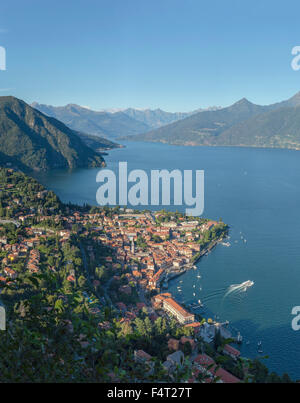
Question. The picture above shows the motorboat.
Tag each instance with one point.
(226, 244)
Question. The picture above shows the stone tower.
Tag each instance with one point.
(132, 246)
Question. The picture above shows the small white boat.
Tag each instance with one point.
(226, 244)
(194, 294)
(198, 275)
(197, 306)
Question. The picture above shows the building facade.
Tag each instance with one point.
(178, 311)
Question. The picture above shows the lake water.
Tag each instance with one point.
(255, 191)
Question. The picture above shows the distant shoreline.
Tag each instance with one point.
(191, 144)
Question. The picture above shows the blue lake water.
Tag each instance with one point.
(255, 191)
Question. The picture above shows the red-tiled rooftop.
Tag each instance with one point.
(205, 361)
(226, 377)
(143, 355)
(178, 307)
(194, 324)
(231, 350)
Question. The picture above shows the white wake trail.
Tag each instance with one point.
(238, 288)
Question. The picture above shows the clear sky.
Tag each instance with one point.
(178, 55)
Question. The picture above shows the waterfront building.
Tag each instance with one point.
(168, 304)
(178, 311)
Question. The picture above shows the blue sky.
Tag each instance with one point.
(178, 55)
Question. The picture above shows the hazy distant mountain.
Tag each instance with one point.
(35, 141)
(113, 123)
(104, 124)
(241, 124)
(194, 129)
(155, 118)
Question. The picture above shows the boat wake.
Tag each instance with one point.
(214, 295)
(236, 289)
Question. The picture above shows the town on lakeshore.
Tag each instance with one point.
(149, 194)
(109, 267)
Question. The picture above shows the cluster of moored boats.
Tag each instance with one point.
(242, 238)
(239, 340)
(192, 305)
(199, 304)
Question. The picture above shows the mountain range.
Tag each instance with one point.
(104, 124)
(34, 141)
(241, 124)
(112, 124)
(155, 118)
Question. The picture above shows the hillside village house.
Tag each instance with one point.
(173, 361)
(231, 352)
(206, 365)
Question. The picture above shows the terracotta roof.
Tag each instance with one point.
(231, 350)
(205, 361)
(226, 377)
(143, 355)
(194, 324)
(178, 307)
